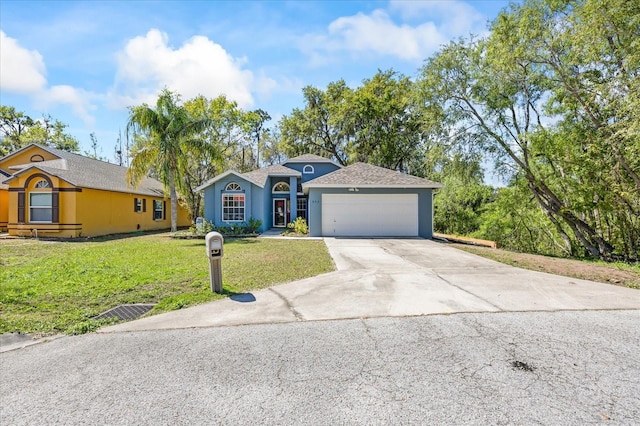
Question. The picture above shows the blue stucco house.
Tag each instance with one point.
(359, 200)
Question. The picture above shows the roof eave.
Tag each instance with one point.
(435, 185)
(24, 148)
(224, 175)
(49, 172)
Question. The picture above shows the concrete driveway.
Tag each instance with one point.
(396, 278)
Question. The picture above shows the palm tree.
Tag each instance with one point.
(161, 135)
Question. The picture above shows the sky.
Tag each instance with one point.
(85, 62)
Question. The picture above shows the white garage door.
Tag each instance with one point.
(369, 215)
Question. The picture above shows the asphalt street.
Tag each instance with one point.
(405, 331)
(570, 367)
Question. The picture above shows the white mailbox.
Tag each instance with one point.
(214, 242)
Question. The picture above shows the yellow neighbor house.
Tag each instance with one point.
(54, 193)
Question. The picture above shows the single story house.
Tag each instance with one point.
(56, 193)
(360, 200)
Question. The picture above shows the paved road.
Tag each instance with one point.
(406, 331)
(441, 369)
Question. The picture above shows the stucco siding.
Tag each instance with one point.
(4, 208)
(319, 169)
(25, 157)
(254, 201)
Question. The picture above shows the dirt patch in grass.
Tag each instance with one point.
(622, 274)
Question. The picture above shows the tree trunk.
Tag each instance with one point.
(174, 201)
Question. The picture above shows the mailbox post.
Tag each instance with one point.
(215, 248)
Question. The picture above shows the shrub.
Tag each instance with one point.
(299, 226)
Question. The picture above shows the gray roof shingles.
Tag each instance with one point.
(362, 174)
(260, 175)
(85, 172)
(308, 158)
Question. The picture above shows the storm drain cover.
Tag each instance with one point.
(126, 312)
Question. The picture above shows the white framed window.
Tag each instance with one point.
(301, 208)
(139, 205)
(233, 186)
(41, 207)
(280, 187)
(41, 184)
(308, 169)
(158, 210)
(233, 207)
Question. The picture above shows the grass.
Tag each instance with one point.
(50, 287)
(618, 273)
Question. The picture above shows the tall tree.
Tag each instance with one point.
(18, 130)
(326, 125)
(255, 121)
(555, 110)
(161, 136)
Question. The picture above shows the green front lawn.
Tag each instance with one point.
(51, 287)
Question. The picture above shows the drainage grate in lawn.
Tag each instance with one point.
(126, 312)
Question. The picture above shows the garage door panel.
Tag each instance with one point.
(370, 215)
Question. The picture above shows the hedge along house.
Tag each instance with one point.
(359, 200)
(60, 194)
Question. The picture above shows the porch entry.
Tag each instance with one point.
(281, 212)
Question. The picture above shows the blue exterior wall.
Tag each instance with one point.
(425, 206)
(319, 169)
(259, 201)
(254, 205)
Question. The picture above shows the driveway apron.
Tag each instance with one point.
(399, 277)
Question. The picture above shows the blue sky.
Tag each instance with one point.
(85, 62)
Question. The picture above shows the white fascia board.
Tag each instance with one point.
(326, 161)
(224, 175)
(344, 185)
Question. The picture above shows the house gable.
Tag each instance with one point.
(311, 166)
(29, 154)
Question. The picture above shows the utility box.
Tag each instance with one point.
(214, 243)
(199, 224)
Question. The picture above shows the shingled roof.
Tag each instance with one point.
(367, 175)
(260, 176)
(85, 172)
(309, 158)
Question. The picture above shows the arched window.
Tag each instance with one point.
(233, 186)
(36, 158)
(308, 169)
(41, 184)
(280, 187)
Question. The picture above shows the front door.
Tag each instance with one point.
(281, 214)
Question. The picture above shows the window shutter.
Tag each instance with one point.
(164, 210)
(135, 204)
(21, 207)
(144, 204)
(55, 207)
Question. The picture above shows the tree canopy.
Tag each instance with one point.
(18, 130)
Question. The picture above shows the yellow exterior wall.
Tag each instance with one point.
(88, 212)
(67, 225)
(4, 208)
(25, 157)
(105, 212)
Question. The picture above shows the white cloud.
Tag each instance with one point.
(21, 70)
(457, 18)
(379, 34)
(424, 27)
(77, 99)
(199, 67)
